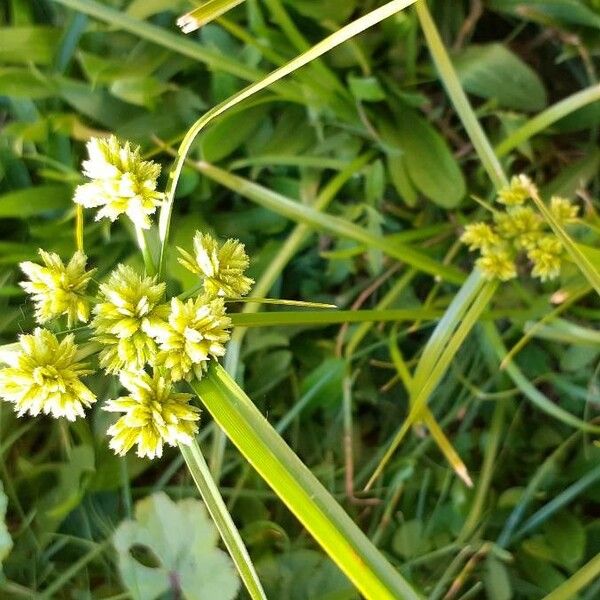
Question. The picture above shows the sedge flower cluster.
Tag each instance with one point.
(519, 231)
(151, 342)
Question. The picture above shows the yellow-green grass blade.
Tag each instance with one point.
(331, 317)
(579, 580)
(455, 336)
(546, 118)
(590, 270)
(209, 11)
(336, 225)
(299, 489)
(528, 389)
(345, 33)
(459, 99)
(429, 420)
(222, 519)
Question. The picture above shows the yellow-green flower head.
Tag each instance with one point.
(546, 258)
(43, 376)
(563, 210)
(521, 224)
(497, 263)
(154, 415)
(479, 236)
(129, 308)
(197, 330)
(122, 183)
(222, 267)
(58, 289)
(517, 192)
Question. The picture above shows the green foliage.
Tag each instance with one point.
(176, 552)
(349, 181)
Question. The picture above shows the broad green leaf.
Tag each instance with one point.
(496, 580)
(141, 91)
(566, 535)
(6, 542)
(336, 10)
(181, 542)
(566, 12)
(409, 540)
(36, 44)
(366, 89)
(493, 71)
(23, 83)
(231, 132)
(142, 9)
(35, 201)
(422, 147)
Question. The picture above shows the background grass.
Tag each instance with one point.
(357, 157)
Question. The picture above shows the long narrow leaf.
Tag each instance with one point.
(307, 215)
(206, 13)
(299, 489)
(222, 519)
(344, 34)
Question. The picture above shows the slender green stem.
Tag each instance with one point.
(222, 519)
(577, 582)
(547, 117)
(142, 242)
(299, 489)
(459, 98)
(345, 33)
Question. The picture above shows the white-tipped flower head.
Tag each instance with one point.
(43, 376)
(221, 267)
(129, 309)
(546, 258)
(197, 330)
(154, 415)
(58, 289)
(122, 183)
(517, 192)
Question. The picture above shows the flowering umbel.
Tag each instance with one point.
(58, 289)
(221, 266)
(154, 415)
(122, 183)
(43, 376)
(519, 231)
(129, 310)
(196, 331)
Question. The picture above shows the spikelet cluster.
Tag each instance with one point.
(43, 376)
(121, 182)
(58, 289)
(130, 306)
(149, 341)
(153, 415)
(519, 231)
(221, 267)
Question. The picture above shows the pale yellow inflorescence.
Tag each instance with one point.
(136, 329)
(121, 182)
(519, 231)
(130, 308)
(153, 415)
(195, 333)
(43, 376)
(58, 289)
(220, 266)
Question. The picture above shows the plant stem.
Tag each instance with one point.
(304, 495)
(459, 98)
(345, 33)
(579, 580)
(222, 519)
